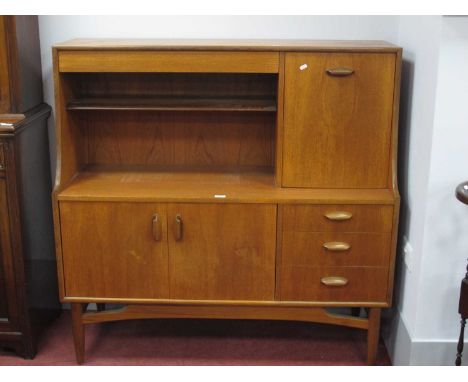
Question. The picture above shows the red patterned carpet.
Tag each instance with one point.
(203, 342)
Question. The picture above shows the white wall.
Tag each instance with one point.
(419, 37)
(446, 227)
(434, 159)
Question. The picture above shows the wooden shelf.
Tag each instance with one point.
(252, 104)
(221, 185)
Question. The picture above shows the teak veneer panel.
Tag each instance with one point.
(109, 250)
(346, 121)
(174, 62)
(179, 139)
(114, 183)
(281, 45)
(225, 252)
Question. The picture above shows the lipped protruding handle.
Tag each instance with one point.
(339, 72)
(338, 215)
(338, 246)
(178, 228)
(156, 227)
(334, 281)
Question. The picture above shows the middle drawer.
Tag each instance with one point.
(335, 249)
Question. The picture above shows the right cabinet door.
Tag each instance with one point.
(222, 251)
(337, 122)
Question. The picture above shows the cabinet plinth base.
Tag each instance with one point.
(81, 317)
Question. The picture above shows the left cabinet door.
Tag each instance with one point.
(114, 250)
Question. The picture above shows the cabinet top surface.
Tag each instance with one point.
(218, 44)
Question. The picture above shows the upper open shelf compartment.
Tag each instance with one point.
(238, 92)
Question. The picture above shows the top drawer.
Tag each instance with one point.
(168, 62)
(339, 218)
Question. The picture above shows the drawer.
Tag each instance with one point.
(173, 62)
(338, 218)
(362, 284)
(335, 249)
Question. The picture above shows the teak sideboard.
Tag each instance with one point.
(226, 179)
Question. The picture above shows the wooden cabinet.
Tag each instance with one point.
(242, 180)
(28, 282)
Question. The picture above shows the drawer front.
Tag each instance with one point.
(335, 249)
(338, 218)
(169, 62)
(361, 284)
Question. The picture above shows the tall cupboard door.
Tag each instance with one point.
(8, 308)
(114, 250)
(222, 251)
(337, 119)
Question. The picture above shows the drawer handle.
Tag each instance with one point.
(156, 227)
(334, 281)
(178, 229)
(337, 246)
(339, 215)
(340, 72)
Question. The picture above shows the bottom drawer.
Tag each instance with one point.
(345, 284)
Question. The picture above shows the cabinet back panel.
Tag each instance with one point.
(89, 85)
(179, 138)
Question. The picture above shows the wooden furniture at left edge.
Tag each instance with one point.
(28, 283)
(156, 207)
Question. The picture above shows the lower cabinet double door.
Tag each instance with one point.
(168, 251)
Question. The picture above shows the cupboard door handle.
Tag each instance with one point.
(339, 215)
(178, 229)
(340, 72)
(337, 246)
(156, 227)
(334, 281)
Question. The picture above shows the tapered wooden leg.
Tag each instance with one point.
(78, 331)
(373, 333)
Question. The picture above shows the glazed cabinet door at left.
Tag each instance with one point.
(114, 250)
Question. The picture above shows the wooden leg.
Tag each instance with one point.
(373, 335)
(78, 331)
(100, 307)
(460, 342)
